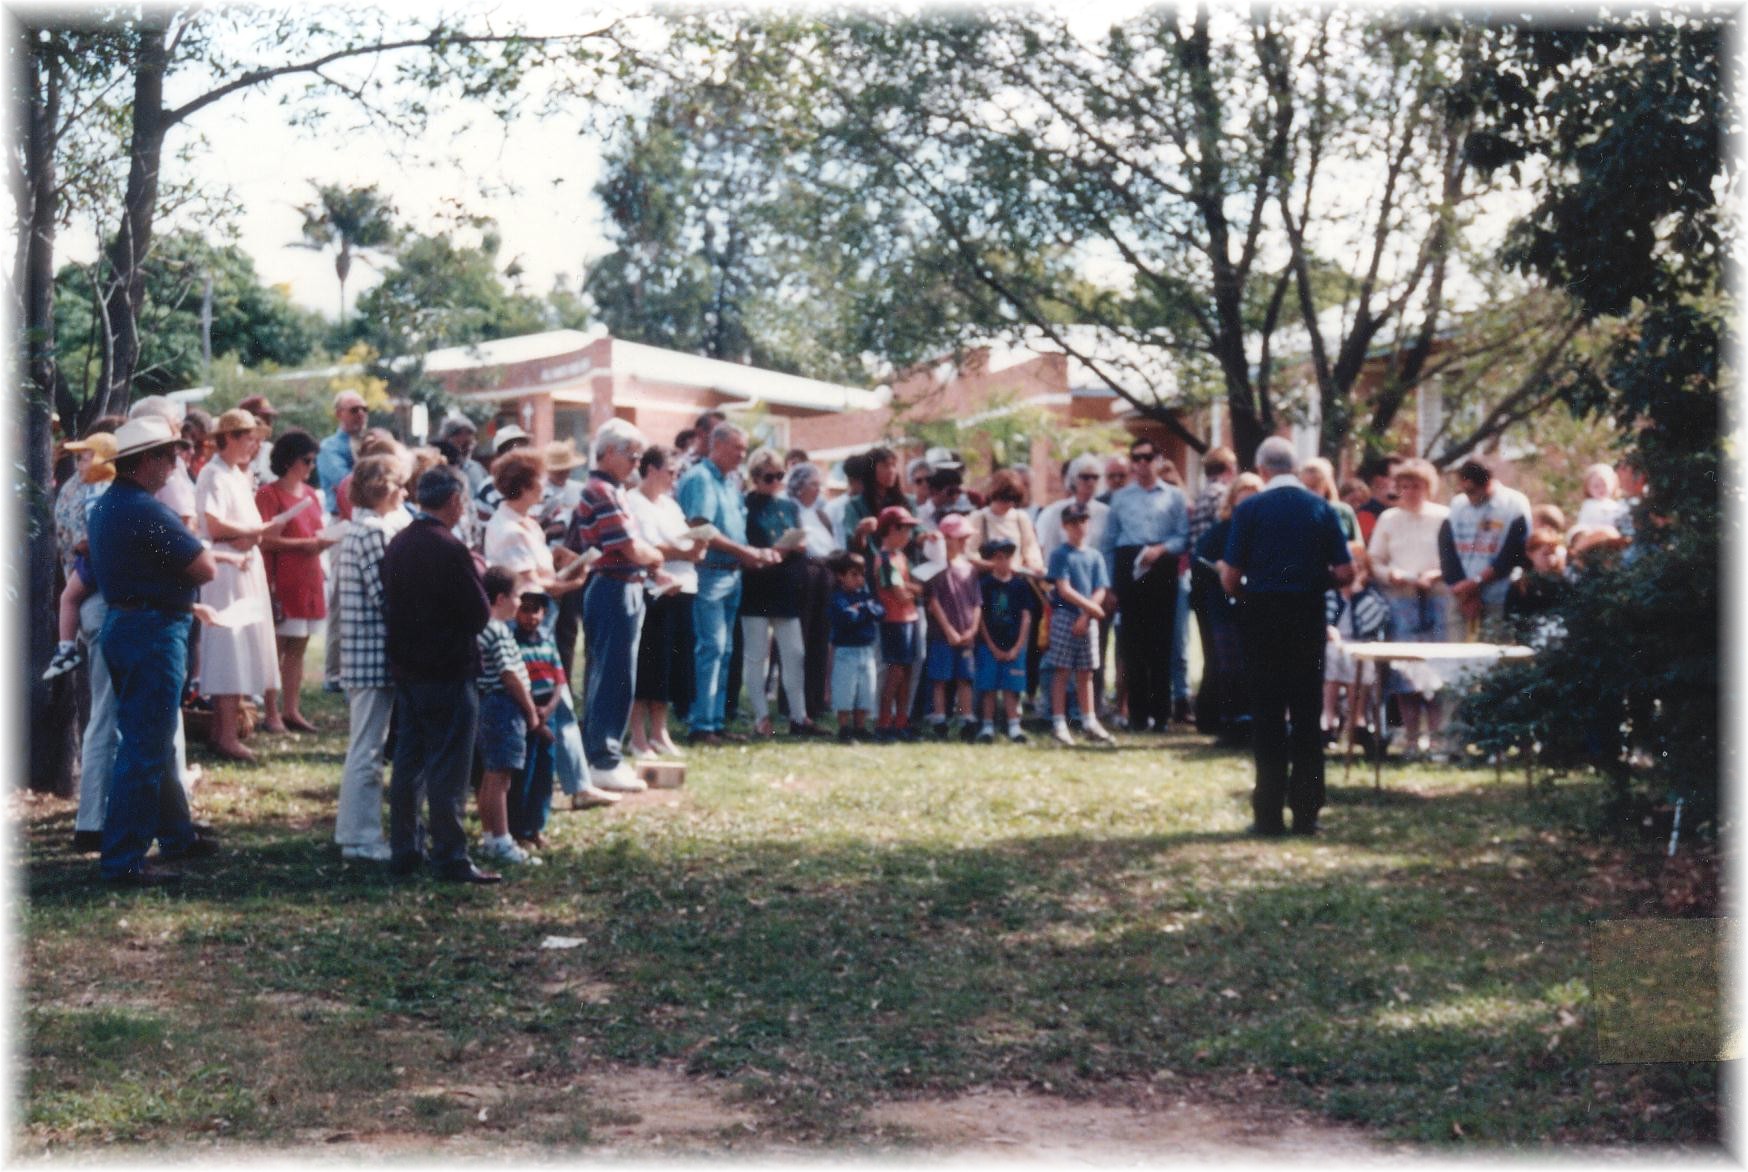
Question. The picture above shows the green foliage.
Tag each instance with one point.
(441, 291)
(1623, 119)
(256, 324)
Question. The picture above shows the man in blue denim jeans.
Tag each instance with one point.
(148, 567)
(709, 492)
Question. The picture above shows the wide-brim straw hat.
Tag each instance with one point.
(562, 456)
(101, 445)
(144, 434)
(237, 419)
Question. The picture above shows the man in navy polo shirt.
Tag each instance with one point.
(148, 567)
(1285, 549)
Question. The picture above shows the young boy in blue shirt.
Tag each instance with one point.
(855, 627)
(1003, 631)
(1080, 585)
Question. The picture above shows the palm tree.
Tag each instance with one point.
(355, 218)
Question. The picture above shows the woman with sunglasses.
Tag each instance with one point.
(771, 599)
(1081, 477)
(295, 582)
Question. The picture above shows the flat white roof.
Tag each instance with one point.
(746, 382)
(507, 351)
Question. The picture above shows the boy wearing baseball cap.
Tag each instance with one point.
(1080, 586)
(954, 611)
(1004, 630)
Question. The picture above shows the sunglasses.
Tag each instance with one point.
(770, 478)
(1144, 457)
(355, 408)
(1087, 476)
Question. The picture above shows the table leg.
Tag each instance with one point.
(1378, 727)
(1353, 710)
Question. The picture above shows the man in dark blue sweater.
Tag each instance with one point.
(436, 607)
(1285, 549)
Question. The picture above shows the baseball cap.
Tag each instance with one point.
(954, 525)
(990, 548)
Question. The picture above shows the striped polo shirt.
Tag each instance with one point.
(601, 521)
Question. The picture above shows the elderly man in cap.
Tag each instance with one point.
(435, 605)
(339, 452)
(486, 497)
(148, 566)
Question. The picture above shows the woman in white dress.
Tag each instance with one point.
(241, 659)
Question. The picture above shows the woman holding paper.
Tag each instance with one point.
(237, 654)
(771, 597)
(293, 561)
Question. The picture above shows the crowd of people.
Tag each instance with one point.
(452, 589)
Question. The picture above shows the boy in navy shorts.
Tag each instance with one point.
(1006, 603)
(506, 716)
(955, 607)
(1080, 585)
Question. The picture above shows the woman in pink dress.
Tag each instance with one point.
(294, 572)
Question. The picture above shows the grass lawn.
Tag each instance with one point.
(812, 932)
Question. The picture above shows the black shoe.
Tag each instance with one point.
(805, 728)
(846, 735)
(1257, 830)
(1304, 829)
(87, 842)
(940, 730)
(708, 740)
(203, 847)
(145, 876)
(1180, 710)
(465, 872)
(404, 865)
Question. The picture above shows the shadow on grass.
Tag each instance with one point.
(1407, 974)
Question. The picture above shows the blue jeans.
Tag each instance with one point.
(567, 748)
(146, 652)
(713, 614)
(612, 621)
(434, 732)
(530, 796)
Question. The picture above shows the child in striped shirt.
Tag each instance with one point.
(506, 715)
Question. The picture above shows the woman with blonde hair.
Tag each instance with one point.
(1318, 475)
(1405, 565)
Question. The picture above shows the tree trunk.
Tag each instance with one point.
(125, 293)
(52, 707)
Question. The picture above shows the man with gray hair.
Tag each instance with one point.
(435, 605)
(1284, 551)
(710, 493)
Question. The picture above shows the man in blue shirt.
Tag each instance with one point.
(334, 459)
(148, 567)
(1285, 549)
(1146, 530)
(710, 492)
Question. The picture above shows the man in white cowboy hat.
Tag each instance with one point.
(148, 567)
(562, 490)
(178, 490)
(340, 451)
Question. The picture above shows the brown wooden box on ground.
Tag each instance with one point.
(662, 774)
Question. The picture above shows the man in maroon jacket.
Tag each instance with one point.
(436, 608)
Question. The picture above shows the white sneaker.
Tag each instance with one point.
(1060, 734)
(505, 850)
(667, 748)
(1097, 732)
(620, 779)
(589, 797)
(376, 852)
(645, 755)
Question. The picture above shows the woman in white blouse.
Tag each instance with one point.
(1005, 517)
(1405, 563)
(238, 658)
(514, 538)
(664, 650)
